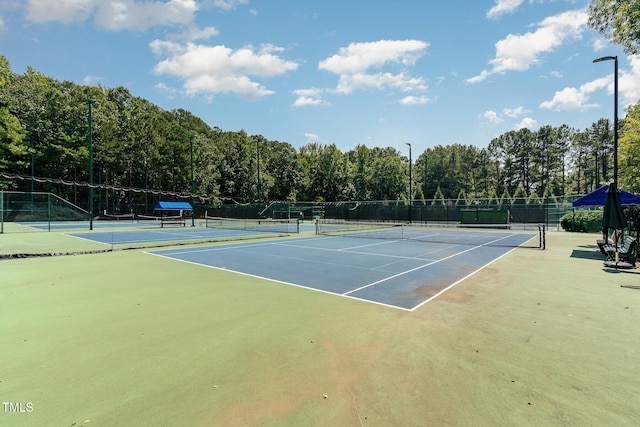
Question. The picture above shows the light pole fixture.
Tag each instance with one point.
(193, 208)
(90, 137)
(410, 184)
(615, 114)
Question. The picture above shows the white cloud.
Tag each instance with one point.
(228, 4)
(575, 99)
(40, 11)
(169, 91)
(354, 63)
(596, 84)
(131, 15)
(503, 7)
(527, 123)
(521, 52)
(414, 100)
(492, 117)
(309, 97)
(194, 33)
(572, 99)
(514, 112)
(599, 44)
(358, 57)
(568, 99)
(212, 70)
(90, 80)
(511, 113)
(115, 15)
(629, 83)
(314, 138)
(380, 81)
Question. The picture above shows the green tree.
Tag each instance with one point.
(279, 169)
(580, 157)
(308, 159)
(630, 150)
(239, 168)
(563, 141)
(393, 172)
(13, 150)
(438, 198)
(618, 21)
(520, 196)
(331, 179)
(364, 177)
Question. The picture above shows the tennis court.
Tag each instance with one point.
(158, 235)
(404, 273)
(229, 229)
(80, 225)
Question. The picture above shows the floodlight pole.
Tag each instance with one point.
(33, 169)
(90, 136)
(410, 184)
(33, 157)
(258, 151)
(193, 208)
(615, 114)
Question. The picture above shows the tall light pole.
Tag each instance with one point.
(410, 179)
(90, 136)
(615, 114)
(33, 157)
(193, 208)
(258, 151)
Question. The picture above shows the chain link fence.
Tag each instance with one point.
(28, 207)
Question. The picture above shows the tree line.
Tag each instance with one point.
(137, 145)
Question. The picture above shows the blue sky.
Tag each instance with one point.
(345, 72)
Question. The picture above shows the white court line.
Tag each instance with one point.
(418, 268)
(458, 281)
(281, 282)
(368, 245)
(208, 248)
(377, 268)
(87, 240)
(353, 252)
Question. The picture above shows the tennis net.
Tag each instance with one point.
(148, 219)
(117, 217)
(450, 233)
(268, 225)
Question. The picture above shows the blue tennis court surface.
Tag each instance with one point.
(403, 274)
(155, 234)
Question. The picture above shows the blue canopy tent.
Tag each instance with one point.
(599, 196)
(179, 207)
(173, 206)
